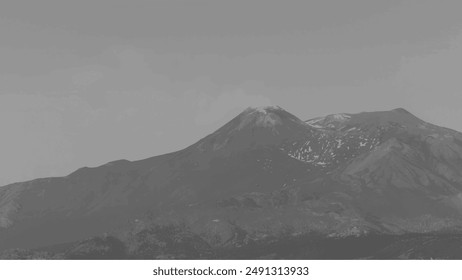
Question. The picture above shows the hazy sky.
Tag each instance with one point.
(87, 82)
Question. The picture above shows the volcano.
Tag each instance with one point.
(266, 175)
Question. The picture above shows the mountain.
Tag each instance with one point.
(266, 175)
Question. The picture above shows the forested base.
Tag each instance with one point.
(176, 242)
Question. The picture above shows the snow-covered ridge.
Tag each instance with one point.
(261, 116)
(313, 121)
(264, 109)
(341, 116)
(328, 149)
(329, 121)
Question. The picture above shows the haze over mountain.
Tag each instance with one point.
(264, 174)
(79, 78)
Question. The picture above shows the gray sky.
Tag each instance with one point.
(86, 82)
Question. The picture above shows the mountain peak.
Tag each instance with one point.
(329, 121)
(264, 109)
(261, 173)
(266, 116)
(398, 115)
(401, 110)
(255, 126)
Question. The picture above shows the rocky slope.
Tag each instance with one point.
(263, 175)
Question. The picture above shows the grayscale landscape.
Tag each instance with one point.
(265, 185)
(206, 129)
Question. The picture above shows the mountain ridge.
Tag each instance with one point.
(263, 173)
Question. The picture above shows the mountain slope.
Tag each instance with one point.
(265, 173)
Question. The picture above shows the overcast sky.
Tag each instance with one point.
(87, 82)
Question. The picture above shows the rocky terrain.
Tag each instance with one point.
(265, 185)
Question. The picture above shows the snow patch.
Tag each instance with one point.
(341, 117)
(264, 109)
(315, 126)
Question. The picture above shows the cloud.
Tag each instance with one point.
(212, 109)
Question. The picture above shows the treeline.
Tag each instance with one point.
(178, 242)
(154, 242)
